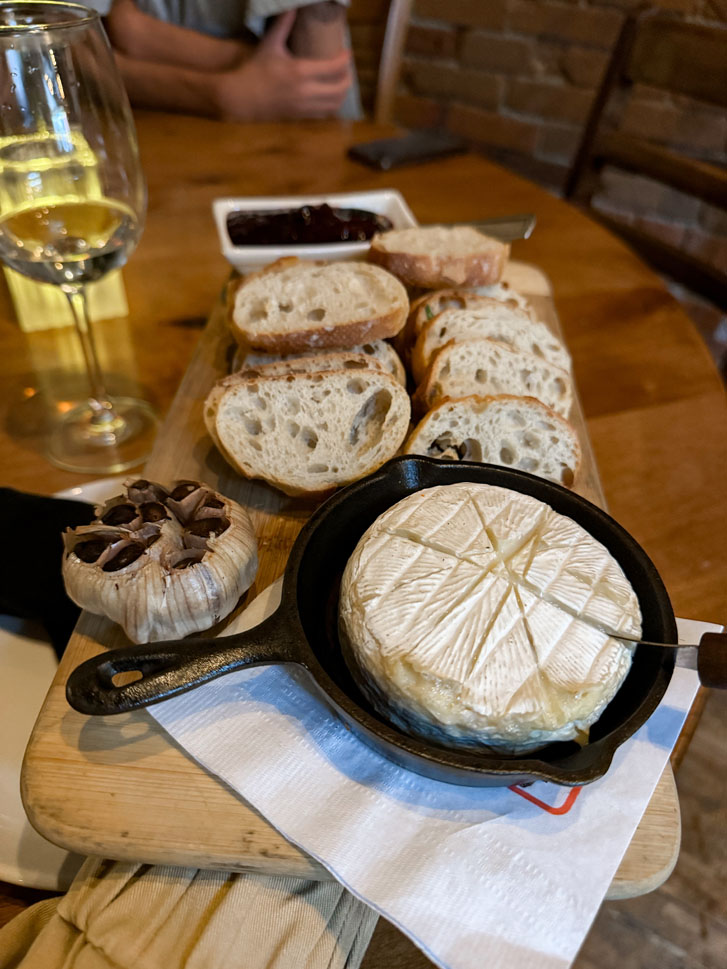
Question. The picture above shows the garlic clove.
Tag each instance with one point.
(199, 533)
(125, 554)
(185, 498)
(153, 511)
(119, 513)
(141, 491)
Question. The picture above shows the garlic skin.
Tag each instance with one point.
(162, 564)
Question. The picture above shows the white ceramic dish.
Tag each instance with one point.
(29, 665)
(246, 259)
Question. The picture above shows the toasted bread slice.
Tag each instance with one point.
(276, 366)
(487, 367)
(293, 306)
(313, 363)
(308, 433)
(492, 320)
(515, 432)
(426, 307)
(436, 256)
(377, 352)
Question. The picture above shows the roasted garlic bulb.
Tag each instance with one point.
(161, 563)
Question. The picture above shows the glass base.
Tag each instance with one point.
(94, 439)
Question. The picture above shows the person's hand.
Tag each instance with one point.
(275, 85)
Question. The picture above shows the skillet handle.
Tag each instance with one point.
(167, 669)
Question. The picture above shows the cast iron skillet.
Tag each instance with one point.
(303, 631)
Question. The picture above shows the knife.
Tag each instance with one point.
(708, 657)
(506, 228)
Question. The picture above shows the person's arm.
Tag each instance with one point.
(231, 81)
(140, 37)
(167, 87)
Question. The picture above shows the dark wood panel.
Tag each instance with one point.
(680, 56)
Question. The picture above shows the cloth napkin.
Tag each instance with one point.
(121, 915)
(470, 875)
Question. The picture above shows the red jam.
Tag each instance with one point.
(309, 224)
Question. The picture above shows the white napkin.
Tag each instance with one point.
(470, 875)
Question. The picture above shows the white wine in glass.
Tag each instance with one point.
(72, 199)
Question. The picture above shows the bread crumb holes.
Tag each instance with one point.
(368, 425)
(309, 437)
(506, 455)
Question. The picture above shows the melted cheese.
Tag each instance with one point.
(478, 615)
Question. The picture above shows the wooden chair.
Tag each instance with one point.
(378, 32)
(683, 58)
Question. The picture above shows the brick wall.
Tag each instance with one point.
(517, 79)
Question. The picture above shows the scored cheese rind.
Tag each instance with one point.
(478, 615)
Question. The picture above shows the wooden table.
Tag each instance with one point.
(654, 405)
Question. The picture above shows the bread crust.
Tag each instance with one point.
(436, 267)
(396, 427)
(425, 433)
(424, 309)
(406, 337)
(430, 392)
(431, 272)
(340, 360)
(344, 336)
(379, 353)
(492, 319)
(335, 336)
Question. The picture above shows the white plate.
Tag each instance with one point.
(29, 665)
(246, 259)
(96, 491)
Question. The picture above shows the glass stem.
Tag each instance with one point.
(103, 413)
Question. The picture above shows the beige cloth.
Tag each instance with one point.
(129, 916)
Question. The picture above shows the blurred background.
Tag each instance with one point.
(518, 79)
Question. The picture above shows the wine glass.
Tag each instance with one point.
(72, 199)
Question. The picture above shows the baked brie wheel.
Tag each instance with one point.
(475, 615)
(162, 564)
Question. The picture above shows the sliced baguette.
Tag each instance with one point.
(515, 432)
(492, 320)
(436, 256)
(313, 363)
(486, 367)
(275, 367)
(377, 352)
(309, 433)
(293, 306)
(426, 307)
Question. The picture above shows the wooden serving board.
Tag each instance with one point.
(119, 787)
